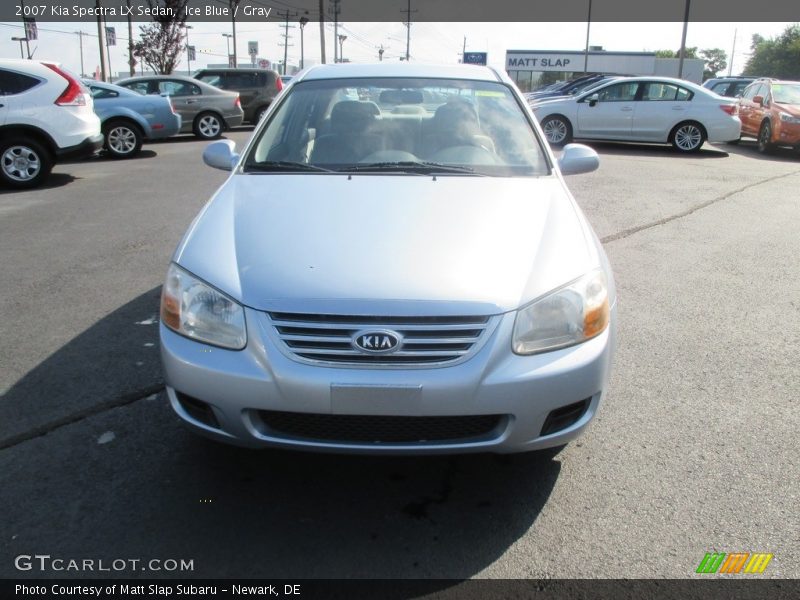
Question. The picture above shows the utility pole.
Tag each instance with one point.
(733, 53)
(380, 53)
(25, 27)
(303, 22)
(683, 39)
(108, 51)
(463, 49)
(234, 4)
(20, 40)
(322, 30)
(342, 38)
(586, 51)
(101, 36)
(131, 60)
(228, 37)
(408, 12)
(336, 57)
(285, 37)
(80, 35)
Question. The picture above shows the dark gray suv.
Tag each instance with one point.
(256, 87)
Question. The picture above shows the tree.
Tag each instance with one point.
(776, 57)
(716, 60)
(161, 42)
(691, 52)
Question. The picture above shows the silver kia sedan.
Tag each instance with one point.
(395, 265)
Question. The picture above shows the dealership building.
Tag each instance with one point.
(534, 68)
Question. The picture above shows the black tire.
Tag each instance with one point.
(122, 138)
(24, 162)
(687, 137)
(557, 130)
(208, 126)
(765, 145)
(259, 113)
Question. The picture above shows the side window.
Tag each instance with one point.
(738, 88)
(15, 83)
(214, 79)
(621, 92)
(683, 95)
(762, 91)
(172, 87)
(720, 88)
(99, 93)
(138, 86)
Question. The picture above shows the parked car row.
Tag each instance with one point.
(49, 114)
(666, 110)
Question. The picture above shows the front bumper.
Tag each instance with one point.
(521, 390)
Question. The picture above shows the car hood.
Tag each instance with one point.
(387, 243)
(792, 109)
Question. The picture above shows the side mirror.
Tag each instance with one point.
(221, 155)
(577, 158)
(594, 99)
(759, 100)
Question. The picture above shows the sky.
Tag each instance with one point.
(430, 42)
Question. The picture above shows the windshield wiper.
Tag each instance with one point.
(413, 167)
(283, 166)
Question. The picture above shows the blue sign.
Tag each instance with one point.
(474, 58)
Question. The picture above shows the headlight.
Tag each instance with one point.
(787, 118)
(569, 315)
(198, 311)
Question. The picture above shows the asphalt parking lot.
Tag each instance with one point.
(695, 449)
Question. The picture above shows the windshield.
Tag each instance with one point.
(786, 94)
(412, 125)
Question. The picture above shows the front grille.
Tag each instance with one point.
(425, 340)
(374, 429)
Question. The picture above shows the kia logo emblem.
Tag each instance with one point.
(381, 341)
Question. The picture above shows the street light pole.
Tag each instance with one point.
(586, 52)
(233, 3)
(303, 21)
(188, 52)
(228, 37)
(20, 40)
(683, 39)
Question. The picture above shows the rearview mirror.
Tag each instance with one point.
(221, 155)
(758, 100)
(594, 99)
(577, 158)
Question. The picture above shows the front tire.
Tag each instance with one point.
(24, 163)
(765, 145)
(208, 126)
(687, 137)
(122, 139)
(557, 130)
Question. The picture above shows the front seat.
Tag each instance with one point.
(353, 134)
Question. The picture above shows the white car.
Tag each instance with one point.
(642, 109)
(46, 115)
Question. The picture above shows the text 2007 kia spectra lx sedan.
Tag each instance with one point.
(395, 265)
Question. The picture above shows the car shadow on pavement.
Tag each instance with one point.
(749, 149)
(115, 475)
(54, 180)
(634, 149)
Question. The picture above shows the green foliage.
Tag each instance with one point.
(777, 57)
(161, 42)
(716, 61)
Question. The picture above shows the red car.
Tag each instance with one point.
(770, 112)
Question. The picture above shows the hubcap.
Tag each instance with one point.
(122, 140)
(765, 135)
(20, 163)
(688, 137)
(555, 131)
(209, 126)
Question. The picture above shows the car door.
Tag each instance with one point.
(659, 106)
(611, 117)
(186, 97)
(747, 109)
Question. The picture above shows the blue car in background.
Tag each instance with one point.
(128, 118)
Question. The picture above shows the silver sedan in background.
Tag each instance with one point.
(375, 280)
(128, 118)
(206, 110)
(642, 109)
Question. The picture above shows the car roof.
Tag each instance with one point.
(402, 69)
